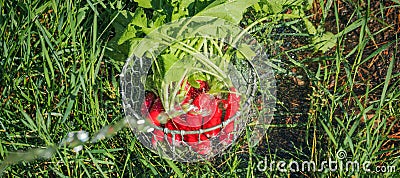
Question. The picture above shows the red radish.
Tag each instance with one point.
(187, 100)
(193, 120)
(184, 123)
(194, 92)
(234, 100)
(155, 111)
(179, 122)
(154, 117)
(148, 102)
(149, 99)
(158, 136)
(192, 139)
(226, 136)
(188, 121)
(203, 112)
(233, 104)
(214, 121)
(205, 105)
(204, 108)
(178, 138)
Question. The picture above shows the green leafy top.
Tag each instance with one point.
(131, 27)
(207, 59)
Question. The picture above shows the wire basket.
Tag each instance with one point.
(244, 74)
(244, 78)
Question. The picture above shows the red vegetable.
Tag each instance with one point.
(148, 102)
(155, 111)
(194, 92)
(205, 112)
(178, 138)
(202, 107)
(158, 136)
(233, 104)
(184, 122)
(205, 107)
(189, 123)
(214, 121)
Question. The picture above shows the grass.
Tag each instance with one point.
(57, 77)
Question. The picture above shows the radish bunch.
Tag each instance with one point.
(200, 110)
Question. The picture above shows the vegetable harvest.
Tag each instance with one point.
(205, 111)
(190, 99)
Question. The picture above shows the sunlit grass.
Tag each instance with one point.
(56, 77)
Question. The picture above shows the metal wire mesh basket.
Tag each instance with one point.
(244, 74)
(244, 79)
